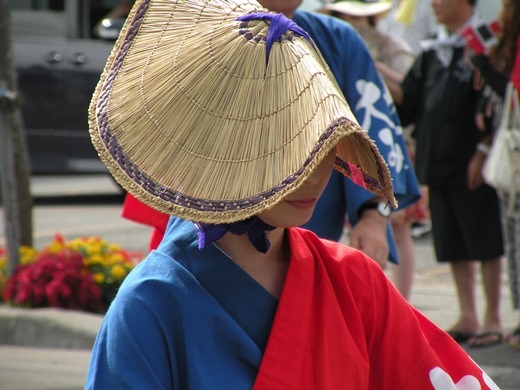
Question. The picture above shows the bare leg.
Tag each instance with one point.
(404, 272)
(464, 274)
(491, 277)
(491, 332)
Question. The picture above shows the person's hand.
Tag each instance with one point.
(475, 165)
(484, 114)
(369, 236)
(480, 121)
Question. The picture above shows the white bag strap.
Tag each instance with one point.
(515, 107)
(511, 109)
(511, 122)
(506, 111)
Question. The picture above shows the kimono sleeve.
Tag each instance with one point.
(409, 351)
(131, 350)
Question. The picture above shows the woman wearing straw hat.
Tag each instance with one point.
(353, 68)
(227, 117)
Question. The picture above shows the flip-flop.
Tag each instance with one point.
(460, 336)
(486, 339)
(513, 339)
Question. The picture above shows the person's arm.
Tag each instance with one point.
(476, 163)
(496, 80)
(393, 81)
(407, 93)
(395, 68)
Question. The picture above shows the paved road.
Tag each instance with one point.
(26, 368)
(91, 205)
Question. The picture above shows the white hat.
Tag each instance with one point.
(358, 7)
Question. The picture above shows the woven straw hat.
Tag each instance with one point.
(358, 7)
(198, 117)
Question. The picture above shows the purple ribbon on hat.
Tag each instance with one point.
(278, 25)
(254, 227)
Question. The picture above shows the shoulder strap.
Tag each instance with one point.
(506, 113)
(515, 73)
(515, 107)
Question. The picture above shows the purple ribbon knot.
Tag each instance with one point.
(278, 25)
(254, 227)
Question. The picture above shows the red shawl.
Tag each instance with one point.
(341, 324)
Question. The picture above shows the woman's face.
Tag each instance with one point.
(296, 208)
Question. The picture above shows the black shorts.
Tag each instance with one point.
(466, 224)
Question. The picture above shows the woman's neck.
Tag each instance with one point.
(268, 269)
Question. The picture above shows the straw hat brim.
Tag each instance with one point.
(357, 8)
(191, 118)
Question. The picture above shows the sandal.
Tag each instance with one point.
(460, 336)
(513, 339)
(486, 339)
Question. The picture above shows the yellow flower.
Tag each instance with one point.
(117, 257)
(118, 272)
(27, 254)
(99, 277)
(94, 259)
(54, 247)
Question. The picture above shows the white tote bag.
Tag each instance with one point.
(502, 167)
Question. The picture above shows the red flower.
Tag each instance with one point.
(56, 280)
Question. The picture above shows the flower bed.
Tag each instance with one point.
(81, 274)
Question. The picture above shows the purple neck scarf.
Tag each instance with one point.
(254, 227)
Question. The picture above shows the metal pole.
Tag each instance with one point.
(14, 171)
(7, 174)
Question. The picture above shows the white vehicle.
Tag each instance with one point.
(58, 62)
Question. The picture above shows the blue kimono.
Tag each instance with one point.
(186, 319)
(371, 103)
(177, 323)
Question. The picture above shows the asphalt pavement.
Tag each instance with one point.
(50, 349)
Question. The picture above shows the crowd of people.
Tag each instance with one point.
(234, 294)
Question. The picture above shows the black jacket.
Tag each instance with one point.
(441, 103)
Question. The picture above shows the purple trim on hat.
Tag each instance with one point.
(168, 195)
(279, 24)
